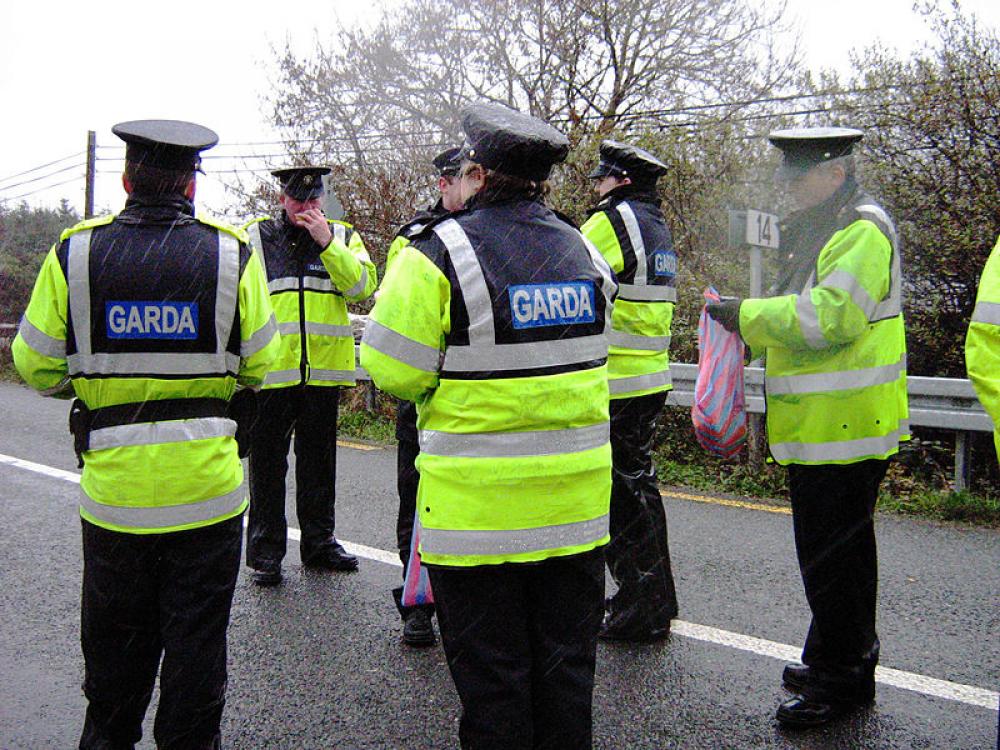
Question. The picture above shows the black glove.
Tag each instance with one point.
(727, 313)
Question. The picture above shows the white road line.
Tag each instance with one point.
(917, 683)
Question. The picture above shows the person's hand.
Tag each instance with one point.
(315, 222)
(727, 313)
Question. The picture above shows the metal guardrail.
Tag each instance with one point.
(941, 403)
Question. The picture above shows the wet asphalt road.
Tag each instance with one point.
(317, 663)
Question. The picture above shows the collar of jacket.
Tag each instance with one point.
(639, 193)
(146, 208)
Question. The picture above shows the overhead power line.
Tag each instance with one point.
(42, 189)
(40, 166)
(42, 177)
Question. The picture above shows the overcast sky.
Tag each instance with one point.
(69, 67)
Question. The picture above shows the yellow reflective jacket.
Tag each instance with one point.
(310, 286)
(494, 321)
(835, 373)
(982, 342)
(163, 315)
(629, 230)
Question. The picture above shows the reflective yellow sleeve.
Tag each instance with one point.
(404, 336)
(853, 274)
(39, 348)
(982, 342)
(259, 337)
(350, 268)
(599, 230)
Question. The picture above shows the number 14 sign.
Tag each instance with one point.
(762, 229)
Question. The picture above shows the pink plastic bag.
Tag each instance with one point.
(719, 409)
(416, 582)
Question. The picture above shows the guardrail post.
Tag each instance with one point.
(963, 461)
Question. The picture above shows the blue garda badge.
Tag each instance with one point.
(665, 263)
(553, 304)
(151, 320)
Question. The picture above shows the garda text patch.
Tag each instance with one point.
(555, 304)
(665, 263)
(151, 320)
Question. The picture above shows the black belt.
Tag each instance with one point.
(157, 411)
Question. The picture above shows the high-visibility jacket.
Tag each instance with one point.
(629, 230)
(154, 316)
(494, 321)
(982, 342)
(309, 287)
(835, 374)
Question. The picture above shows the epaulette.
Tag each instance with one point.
(434, 222)
(97, 221)
(565, 218)
(237, 232)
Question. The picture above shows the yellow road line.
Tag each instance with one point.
(727, 503)
(359, 446)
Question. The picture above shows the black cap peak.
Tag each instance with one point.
(448, 162)
(804, 148)
(625, 160)
(166, 144)
(302, 183)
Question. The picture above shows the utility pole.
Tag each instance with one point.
(88, 201)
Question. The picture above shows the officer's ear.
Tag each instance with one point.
(126, 184)
(190, 189)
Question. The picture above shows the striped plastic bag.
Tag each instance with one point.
(416, 582)
(719, 409)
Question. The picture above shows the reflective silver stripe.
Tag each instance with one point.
(513, 444)
(360, 286)
(639, 382)
(647, 293)
(142, 363)
(327, 329)
(471, 281)
(843, 450)
(398, 346)
(154, 433)
(283, 284)
(893, 304)
(635, 239)
(824, 382)
(40, 341)
(78, 270)
(985, 312)
(316, 284)
(846, 282)
(289, 328)
(227, 289)
(637, 341)
(258, 246)
(260, 338)
(164, 516)
(527, 355)
(512, 541)
(809, 321)
(283, 376)
(347, 375)
(608, 285)
(153, 363)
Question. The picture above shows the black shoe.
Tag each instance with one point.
(802, 712)
(794, 676)
(615, 629)
(333, 557)
(418, 630)
(267, 573)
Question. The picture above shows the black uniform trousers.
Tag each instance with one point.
(311, 413)
(833, 517)
(147, 596)
(638, 555)
(521, 642)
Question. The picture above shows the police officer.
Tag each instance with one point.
(836, 405)
(982, 342)
(418, 629)
(629, 230)
(155, 316)
(493, 320)
(314, 266)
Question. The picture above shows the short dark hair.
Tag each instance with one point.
(150, 180)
